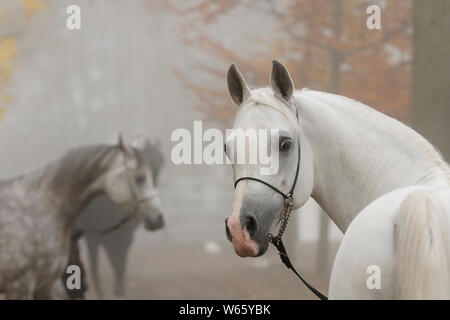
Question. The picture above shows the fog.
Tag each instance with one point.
(118, 75)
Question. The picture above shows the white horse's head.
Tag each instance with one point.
(130, 184)
(257, 207)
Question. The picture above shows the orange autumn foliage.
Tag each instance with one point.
(324, 44)
(32, 6)
(8, 52)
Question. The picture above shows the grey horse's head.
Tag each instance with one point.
(131, 185)
(155, 159)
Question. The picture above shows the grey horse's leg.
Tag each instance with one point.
(117, 252)
(53, 291)
(59, 291)
(93, 244)
(21, 288)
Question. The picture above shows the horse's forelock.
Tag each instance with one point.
(266, 97)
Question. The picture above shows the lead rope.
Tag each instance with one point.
(278, 244)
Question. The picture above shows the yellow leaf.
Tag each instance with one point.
(8, 51)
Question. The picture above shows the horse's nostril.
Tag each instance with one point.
(227, 231)
(251, 225)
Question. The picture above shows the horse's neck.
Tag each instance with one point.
(74, 180)
(360, 154)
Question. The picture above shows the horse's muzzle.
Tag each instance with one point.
(158, 223)
(240, 237)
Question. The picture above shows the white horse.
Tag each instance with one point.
(382, 183)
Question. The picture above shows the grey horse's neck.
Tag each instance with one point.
(70, 180)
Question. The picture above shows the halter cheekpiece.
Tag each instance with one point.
(136, 204)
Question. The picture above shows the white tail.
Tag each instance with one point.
(423, 269)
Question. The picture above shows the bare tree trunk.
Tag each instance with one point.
(430, 109)
(323, 260)
(336, 55)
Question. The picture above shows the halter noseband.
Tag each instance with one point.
(288, 198)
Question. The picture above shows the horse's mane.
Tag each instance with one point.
(407, 134)
(83, 163)
(78, 166)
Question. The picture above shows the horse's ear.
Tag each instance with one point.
(123, 146)
(138, 141)
(236, 85)
(281, 81)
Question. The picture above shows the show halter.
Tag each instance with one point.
(285, 213)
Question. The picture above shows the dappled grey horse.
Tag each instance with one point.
(38, 211)
(103, 212)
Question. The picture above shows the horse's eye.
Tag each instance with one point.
(140, 179)
(285, 145)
